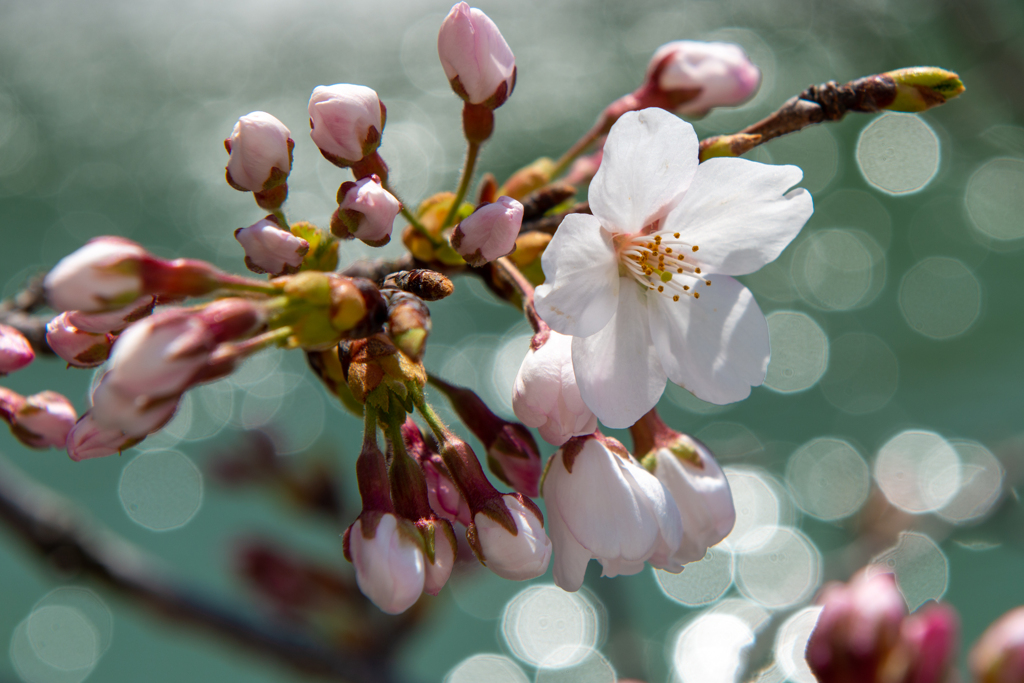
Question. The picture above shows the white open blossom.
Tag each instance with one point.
(643, 285)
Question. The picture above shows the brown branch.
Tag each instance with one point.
(63, 535)
(17, 312)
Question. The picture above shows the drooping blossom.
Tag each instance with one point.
(261, 152)
(476, 59)
(520, 556)
(545, 394)
(15, 351)
(366, 211)
(644, 284)
(489, 232)
(346, 121)
(388, 561)
(703, 75)
(603, 505)
(269, 249)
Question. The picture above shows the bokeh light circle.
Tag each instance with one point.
(486, 669)
(548, 627)
(828, 478)
(940, 297)
(593, 669)
(995, 199)
(799, 352)
(981, 484)
(758, 509)
(918, 471)
(791, 645)
(838, 270)
(711, 649)
(782, 572)
(702, 582)
(161, 490)
(898, 153)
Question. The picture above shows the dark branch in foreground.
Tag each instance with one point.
(74, 544)
(17, 312)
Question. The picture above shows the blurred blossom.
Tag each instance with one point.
(102, 274)
(998, 656)
(702, 75)
(77, 347)
(39, 421)
(15, 351)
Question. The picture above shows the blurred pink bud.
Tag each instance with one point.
(269, 249)
(696, 76)
(998, 656)
(445, 499)
(113, 321)
(584, 169)
(135, 415)
(77, 347)
(545, 394)
(103, 274)
(388, 561)
(446, 549)
(490, 232)
(476, 59)
(43, 420)
(15, 351)
(520, 556)
(158, 356)
(929, 639)
(366, 211)
(347, 122)
(857, 629)
(261, 153)
(88, 440)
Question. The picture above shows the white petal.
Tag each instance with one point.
(649, 160)
(616, 566)
(617, 369)
(570, 558)
(582, 281)
(737, 213)
(715, 347)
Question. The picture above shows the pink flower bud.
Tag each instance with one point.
(388, 562)
(366, 211)
(43, 420)
(520, 556)
(88, 440)
(135, 415)
(490, 232)
(269, 249)
(77, 347)
(15, 351)
(103, 274)
(113, 321)
(545, 394)
(261, 153)
(696, 76)
(476, 59)
(347, 122)
(998, 656)
(445, 499)
(929, 639)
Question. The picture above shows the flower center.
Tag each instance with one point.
(663, 263)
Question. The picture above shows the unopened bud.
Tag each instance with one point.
(113, 321)
(15, 351)
(476, 59)
(103, 274)
(269, 249)
(920, 88)
(261, 153)
(728, 145)
(39, 421)
(998, 656)
(408, 322)
(517, 555)
(77, 347)
(346, 122)
(691, 77)
(489, 232)
(365, 211)
(528, 179)
(375, 362)
(427, 284)
(928, 645)
(88, 440)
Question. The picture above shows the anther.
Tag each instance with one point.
(676, 235)
(707, 282)
(675, 298)
(686, 287)
(697, 270)
(661, 288)
(695, 247)
(696, 295)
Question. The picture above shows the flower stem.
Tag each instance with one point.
(412, 220)
(369, 425)
(279, 215)
(472, 151)
(579, 147)
(433, 421)
(525, 291)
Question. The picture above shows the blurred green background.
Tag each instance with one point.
(896, 314)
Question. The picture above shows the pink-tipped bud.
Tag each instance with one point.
(42, 420)
(113, 321)
(998, 656)
(366, 211)
(135, 415)
(15, 351)
(347, 122)
(269, 249)
(77, 347)
(691, 77)
(546, 396)
(388, 561)
(444, 496)
(88, 440)
(517, 556)
(476, 59)
(103, 274)
(489, 232)
(261, 153)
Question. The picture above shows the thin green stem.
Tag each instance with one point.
(279, 215)
(369, 425)
(395, 421)
(433, 421)
(412, 220)
(472, 152)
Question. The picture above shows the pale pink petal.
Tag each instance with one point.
(649, 159)
(738, 213)
(570, 558)
(715, 347)
(582, 283)
(617, 370)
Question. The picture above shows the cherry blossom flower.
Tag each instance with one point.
(15, 351)
(644, 284)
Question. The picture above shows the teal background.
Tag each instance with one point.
(112, 117)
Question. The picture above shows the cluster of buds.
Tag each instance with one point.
(864, 635)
